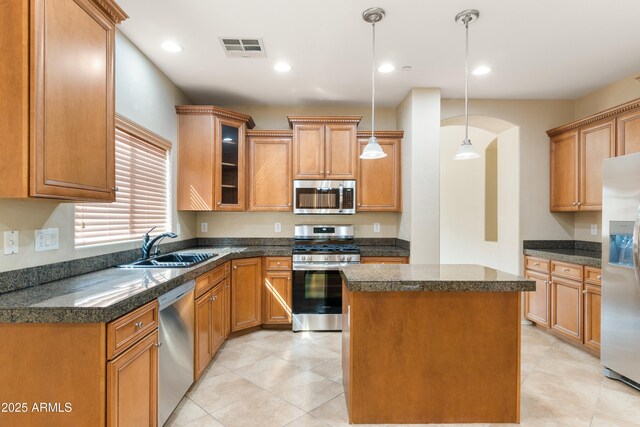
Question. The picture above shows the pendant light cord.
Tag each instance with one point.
(373, 82)
(466, 83)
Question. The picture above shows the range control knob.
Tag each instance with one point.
(303, 257)
(326, 257)
(348, 257)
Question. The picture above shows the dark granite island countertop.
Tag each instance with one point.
(432, 277)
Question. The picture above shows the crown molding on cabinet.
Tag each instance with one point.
(382, 134)
(595, 117)
(324, 119)
(216, 111)
(285, 133)
(111, 10)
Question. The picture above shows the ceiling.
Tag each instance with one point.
(542, 49)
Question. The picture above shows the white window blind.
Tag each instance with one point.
(142, 199)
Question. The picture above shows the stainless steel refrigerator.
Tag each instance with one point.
(620, 347)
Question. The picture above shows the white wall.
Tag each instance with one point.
(146, 96)
(419, 116)
(609, 96)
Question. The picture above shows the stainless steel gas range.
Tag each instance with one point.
(318, 254)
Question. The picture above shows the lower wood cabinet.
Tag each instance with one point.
(384, 260)
(246, 293)
(567, 300)
(277, 293)
(566, 308)
(536, 303)
(132, 385)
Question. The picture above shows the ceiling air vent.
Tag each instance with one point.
(243, 48)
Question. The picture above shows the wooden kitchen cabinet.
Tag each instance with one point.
(536, 303)
(324, 147)
(211, 158)
(564, 172)
(270, 177)
(132, 385)
(211, 316)
(379, 181)
(592, 315)
(57, 114)
(597, 142)
(566, 308)
(628, 132)
(246, 293)
(277, 292)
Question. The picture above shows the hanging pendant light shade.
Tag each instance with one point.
(466, 150)
(373, 150)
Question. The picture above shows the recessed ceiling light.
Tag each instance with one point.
(282, 67)
(171, 46)
(386, 68)
(481, 70)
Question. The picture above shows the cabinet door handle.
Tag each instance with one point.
(566, 270)
(138, 325)
(537, 264)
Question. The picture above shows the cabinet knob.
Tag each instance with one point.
(573, 204)
(158, 344)
(359, 204)
(139, 324)
(566, 270)
(278, 263)
(578, 203)
(546, 282)
(235, 267)
(599, 277)
(288, 204)
(537, 264)
(116, 189)
(584, 292)
(321, 171)
(219, 203)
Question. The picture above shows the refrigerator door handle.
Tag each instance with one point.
(636, 261)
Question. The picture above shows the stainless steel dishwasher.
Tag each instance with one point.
(175, 358)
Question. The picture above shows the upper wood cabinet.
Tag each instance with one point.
(324, 147)
(270, 171)
(379, 181)
(57, 114)
(577, 152)
(628, 140)
(211, 158)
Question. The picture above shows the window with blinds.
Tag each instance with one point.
(142, 199)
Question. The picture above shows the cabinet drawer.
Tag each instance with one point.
(593, 275)
(208, 280)
(536, 264)
(128, 329)
(564, 269)
(278, 263)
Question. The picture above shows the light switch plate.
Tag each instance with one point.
(278, 227)
(594, 229)
(376, 227)
(46, 239)
(204, 227)
(11, 242)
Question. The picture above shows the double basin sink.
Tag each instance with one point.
(175, 260)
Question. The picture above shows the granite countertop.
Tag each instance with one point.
(575, 256)
(107, 294)
(432, 277)
(383, 250)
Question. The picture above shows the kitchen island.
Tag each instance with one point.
(431, 344)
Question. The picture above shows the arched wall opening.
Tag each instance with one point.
(480, 198)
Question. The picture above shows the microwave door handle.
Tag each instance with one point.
(341, 198)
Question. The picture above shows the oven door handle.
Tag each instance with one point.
(321, 267)
(341, 198)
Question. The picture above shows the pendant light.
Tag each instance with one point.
(466, 150)
(373, 150)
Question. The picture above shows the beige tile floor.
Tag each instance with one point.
(278, 378)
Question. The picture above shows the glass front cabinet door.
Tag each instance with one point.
(229, 175)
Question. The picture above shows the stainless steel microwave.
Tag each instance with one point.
(329, 197)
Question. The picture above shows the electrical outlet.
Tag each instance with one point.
(278, 227)
(11, 242)
(376, 227)
(204, 227)
(594, 229)
(178, 230)
(46, 239)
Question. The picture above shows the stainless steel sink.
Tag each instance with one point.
(177, 260)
